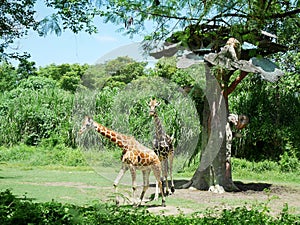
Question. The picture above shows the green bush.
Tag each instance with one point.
(289, 161)
(273, 109)
(37, 83)
(67, 76)
(257, 167)
(34, 111)
(15, 210)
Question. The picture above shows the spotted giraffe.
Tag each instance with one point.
(163, 147)
(135, 156)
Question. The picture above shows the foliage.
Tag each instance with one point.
(14, 210)
(166, 68)
(11, 76)
(35, 110)
(16, 17)
(289, 162)
(26, 69)
(198, 24)
(74, 15)
(271, 107)
(123, 70)
(240, 18)
(94, 77)
(68, 76)
(8, 77)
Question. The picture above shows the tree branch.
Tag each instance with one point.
(285, 14)
(233, 85)
(238, 15)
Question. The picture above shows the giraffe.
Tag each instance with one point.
(135, 156)
(163, 147)
(239, 122)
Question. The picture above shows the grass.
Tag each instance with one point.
(243, 170)
(64, 185)
(266, 171)
(92, 179)
(85, 186)
(275, 177)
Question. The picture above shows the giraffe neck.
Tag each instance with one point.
(117, 138)
(159, 130)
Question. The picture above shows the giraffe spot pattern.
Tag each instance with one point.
(119, 143)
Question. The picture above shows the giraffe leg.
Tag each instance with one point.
(117, 180)
(146, 174)
(157, 184)
(164, 179)
(171, 157)
(156, 191)
(165, 175)
(133, 178)
(157, 172)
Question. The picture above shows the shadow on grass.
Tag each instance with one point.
(252, 186)
(241, 185)
(7, 177)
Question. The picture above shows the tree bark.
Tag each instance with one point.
(214, 170)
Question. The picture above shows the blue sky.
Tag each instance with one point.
(72, 48)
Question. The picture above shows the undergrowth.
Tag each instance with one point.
(14, 210)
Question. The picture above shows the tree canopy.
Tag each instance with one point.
(200, 21)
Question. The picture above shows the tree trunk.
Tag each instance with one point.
(214, 171)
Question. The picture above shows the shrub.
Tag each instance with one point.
(257, 167)
(15, 210)
(289, 161)
(273, 109)
(34, 111)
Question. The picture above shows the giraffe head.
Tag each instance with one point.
(87, 124)
(153, 104)
(240, 121)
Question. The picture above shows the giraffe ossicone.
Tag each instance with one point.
(135, 156)
(163, 147)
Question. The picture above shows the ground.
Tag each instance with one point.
(86, 187)
(188, 201)
(252, 194)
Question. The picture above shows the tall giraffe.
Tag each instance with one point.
(134, 156)
(163, 147)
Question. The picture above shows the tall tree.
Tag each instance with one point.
(206, 27)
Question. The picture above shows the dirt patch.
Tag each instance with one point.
(259, 195)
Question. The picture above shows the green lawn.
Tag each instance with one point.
(85, 185)
(82, 185)
(63, 184)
